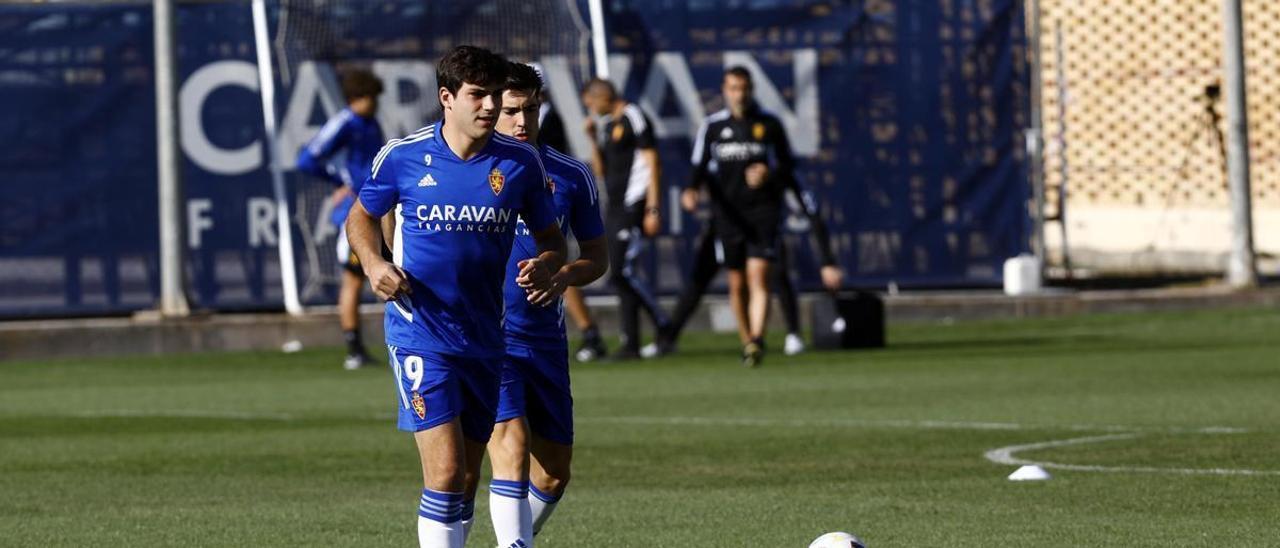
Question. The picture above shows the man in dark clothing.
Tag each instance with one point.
(624, 155)
(743, 158)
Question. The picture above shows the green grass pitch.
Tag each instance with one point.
(269, 449)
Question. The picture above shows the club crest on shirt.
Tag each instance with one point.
(496, 181)
(617, 132)
(757, 131)
(551, 185)
(419, 406)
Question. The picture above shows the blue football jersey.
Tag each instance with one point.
(577, 208)
(455, 222)
(343, 153)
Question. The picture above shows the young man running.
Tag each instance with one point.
(535, 407)
(456, 189)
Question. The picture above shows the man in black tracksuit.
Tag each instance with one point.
(743, 158)
(624, 153)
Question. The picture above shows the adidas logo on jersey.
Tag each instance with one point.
(726, 133)
(428, 180)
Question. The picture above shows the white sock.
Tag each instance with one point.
(509, 508)
(439, 520)
(468, 518)
(541, 505)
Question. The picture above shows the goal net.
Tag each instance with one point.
(313, 42)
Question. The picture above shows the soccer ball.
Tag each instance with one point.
(837, 540)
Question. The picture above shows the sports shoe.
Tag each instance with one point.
(591, 350)
(662, 345)
(354, 361)
(753, 354)
(794, 344)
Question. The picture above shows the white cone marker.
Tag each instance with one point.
(1030, 472)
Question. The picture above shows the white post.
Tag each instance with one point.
(173, 287)
(267, 86)
(1035, 133)
(599, 47)
(1241, 271)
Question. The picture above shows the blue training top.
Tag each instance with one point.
(577, 203)
(351, 139)
(455, 223)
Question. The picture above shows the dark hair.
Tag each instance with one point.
(360, 83)
(524, 78)
(741, 72)
(600, 84)
(470, 65)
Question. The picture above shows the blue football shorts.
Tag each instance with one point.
(535, 385)
(434, 388)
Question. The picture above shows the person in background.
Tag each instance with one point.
(343, 153)
(624, 153)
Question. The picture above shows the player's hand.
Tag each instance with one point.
(689, 198)
(388, 281)
(589, 126)
(533, 275)
(339, 194)
(756, 174)
(546, 297)
(832, 276)
(652, 223)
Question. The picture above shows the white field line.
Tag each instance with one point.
(1007, 455)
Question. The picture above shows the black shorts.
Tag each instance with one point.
(733, 250)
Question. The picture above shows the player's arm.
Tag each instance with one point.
(597, 159)
(539, 211)
(647, 145)
(784, 164)
(536, 273)
(784, 173)
(831, 273)
(314, 158)
(701, 169)
(378, 196)
(591, 264)
(364, 233)
(653, 195)
(593, 251)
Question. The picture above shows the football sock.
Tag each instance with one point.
(439, 520)
(468, 517)
(509, 509)
(354, 346)
(541, 504)
(591, 334)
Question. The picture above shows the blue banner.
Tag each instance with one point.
(906, 118)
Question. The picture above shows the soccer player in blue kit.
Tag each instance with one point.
(533, 439)
(354, 134)
(457, 189)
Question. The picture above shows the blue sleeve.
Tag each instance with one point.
(313, 159)
(379, 193)
(538, 209)
(584, 215)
